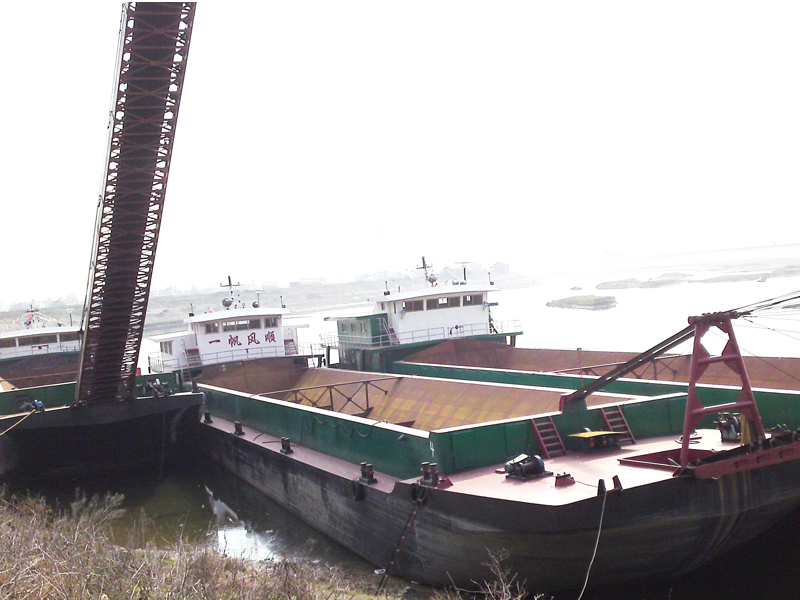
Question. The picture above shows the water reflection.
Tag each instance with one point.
(248, 523)
(203, 506)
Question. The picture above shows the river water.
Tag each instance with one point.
(195, 504)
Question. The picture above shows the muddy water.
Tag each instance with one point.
(202, 506)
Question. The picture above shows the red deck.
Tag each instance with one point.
(586, 468)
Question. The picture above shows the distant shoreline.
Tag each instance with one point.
(585, 302)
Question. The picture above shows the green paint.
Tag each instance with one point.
(61, 394)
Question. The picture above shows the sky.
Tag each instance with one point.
(333, 139)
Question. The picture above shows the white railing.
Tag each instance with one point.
(421, 335)
(158, 364)
(56, 348)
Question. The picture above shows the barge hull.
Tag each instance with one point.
(663, 529)
(95, 439)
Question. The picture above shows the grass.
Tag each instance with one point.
(70, 555)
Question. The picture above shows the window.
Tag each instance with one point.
(212, 328)
(235, 325)
(41, 340)
(473, 300)
(435, 303)
(166, 347)
(413, 305)
(71, 336)
(270, 321)
(255, 324)
(8, 343)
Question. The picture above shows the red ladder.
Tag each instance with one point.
(615, 421)
(547, 435)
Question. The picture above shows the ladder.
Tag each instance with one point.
(193, 357)
(615, 420)
(547, 435)
(289, 347)
(390, 334)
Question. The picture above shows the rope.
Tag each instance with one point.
(761, 358)
(772, 302)
(423, 493)
(18, 422)
(596, 544)
(334, 426)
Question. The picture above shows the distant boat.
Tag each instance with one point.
(402, 322)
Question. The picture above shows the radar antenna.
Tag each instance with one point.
(230, 300)
(430, 277)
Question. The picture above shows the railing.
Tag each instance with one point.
(56, 348)
(421, 335)
(336, 397)
(158, 364)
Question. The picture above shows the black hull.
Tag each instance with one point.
(659, 530)
(97, 439)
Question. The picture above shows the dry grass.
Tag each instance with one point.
(70, 555)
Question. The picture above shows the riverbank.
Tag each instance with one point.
(71, 553)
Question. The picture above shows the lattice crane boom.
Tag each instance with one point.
(151, 66)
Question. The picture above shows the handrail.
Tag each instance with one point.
(55, 348)
(324, 399)
(334, 340)
(158, 364)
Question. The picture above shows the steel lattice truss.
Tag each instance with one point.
(152, 55)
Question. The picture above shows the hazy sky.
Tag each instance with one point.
(322, 139)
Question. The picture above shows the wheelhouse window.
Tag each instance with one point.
(436, 303)
(235, 325)
(212, 328)
(413, 305)
(70, 336)
(41, 340)
(8, 343)
(473, 300)
(270, 322)
(166, 347)
(255, 324)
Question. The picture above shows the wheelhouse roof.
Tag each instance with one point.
(23, 333)
(236, 313)
(438, 292)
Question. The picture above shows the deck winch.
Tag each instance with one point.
(525, 467)
(730, 427)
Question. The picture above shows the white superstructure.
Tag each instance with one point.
(39, 340)
(228, 335)
(422, 315)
